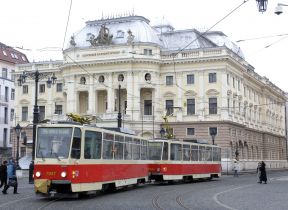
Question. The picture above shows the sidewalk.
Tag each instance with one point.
(251, 171)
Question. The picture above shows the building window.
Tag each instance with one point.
(147, 52)
(12, 114)
(101, 79)
(212, 105)
(42, 88)
(6, 115)
(147, 107)
(4, 73)
(5, 134)
(190, 106)
(24, 113)
(58, 109)
(212, 77)
(169, 80)
(41, 113)
(233, 82)
(190, 79)
(190, 131)
(12, 94)
(6, 94)
(13, 75)
(147, 77)
(120, 34)
(228, 82)
(169, 107)
(213, 131)
(245, 91)
(239, 87)
(59, 87)
(82, 80)
(228, 105)
(25, 89)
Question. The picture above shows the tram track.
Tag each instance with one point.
(16, 200)
(49, 203)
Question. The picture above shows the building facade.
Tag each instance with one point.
(9, 57)
(199, 81)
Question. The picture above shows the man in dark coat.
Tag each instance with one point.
(3, 174)
(263, 175)
(11, 173)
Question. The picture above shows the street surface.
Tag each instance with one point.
(228, 192)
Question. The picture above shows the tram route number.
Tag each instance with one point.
(51, 173)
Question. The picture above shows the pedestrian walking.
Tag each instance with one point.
(3, 174)
(236, 169)
(263, 175)
(12, 179)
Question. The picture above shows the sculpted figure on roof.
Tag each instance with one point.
(103, 38)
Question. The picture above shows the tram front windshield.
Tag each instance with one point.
(53, 142)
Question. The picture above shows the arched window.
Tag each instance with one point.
(101, 79)
(147, 77)
(82, 80)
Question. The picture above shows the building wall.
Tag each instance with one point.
(250, 112)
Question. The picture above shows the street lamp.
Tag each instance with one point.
(279, 9)
(36, 76)
(119, 120)
(162, 132)
(18, 129)
(262, 5)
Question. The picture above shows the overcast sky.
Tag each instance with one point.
(39, 25)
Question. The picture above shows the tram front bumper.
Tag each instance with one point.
(42, 186)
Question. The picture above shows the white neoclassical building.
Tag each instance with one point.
(200, 81)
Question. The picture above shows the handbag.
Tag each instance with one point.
(12, 182)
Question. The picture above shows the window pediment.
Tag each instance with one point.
(42, 101)
(24, 101)
(212, 92)
(190, 93)
(58, 99)
(169, 94)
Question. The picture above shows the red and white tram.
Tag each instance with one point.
(80, 159)
(175, 160)
(76, 159)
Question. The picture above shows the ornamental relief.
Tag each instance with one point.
(103, 38)
(169, 94)
(24, 101)
(190, 93)
(211, 92)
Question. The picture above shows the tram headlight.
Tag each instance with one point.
(63, 174)
(38, 174)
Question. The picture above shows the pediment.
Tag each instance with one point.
(169, 94)
(190, 93)
(42, 101)
(58, 99)
(24, 101)
(212, 92)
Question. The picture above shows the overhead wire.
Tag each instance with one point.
(67, 23)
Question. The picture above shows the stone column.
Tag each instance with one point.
(179, 111)
(91, 97)
(111, 95)
(201, 98)
(71, 94)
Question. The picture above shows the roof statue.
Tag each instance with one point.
(72, 41)
(130, 37)
(103, 37)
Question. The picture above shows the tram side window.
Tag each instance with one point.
(176, 152)
(118, 147)
(93, 144)
(108, 139)
(144, 150)
(186, 152)
(216, 154)
(136, 149)
(165, 151)
(128, 148)
(201, 153)
(194, 151)
(76, 144)
(208, 153)
(155, 149)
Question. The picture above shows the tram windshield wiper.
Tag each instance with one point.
(57, 156)
(42, 156)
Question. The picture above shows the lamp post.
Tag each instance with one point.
(18, 129)
(162, 132)
(279, 9)
(36, 76)
(119, 119)
(262, 5)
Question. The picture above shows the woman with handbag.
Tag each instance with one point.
(12, 179)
